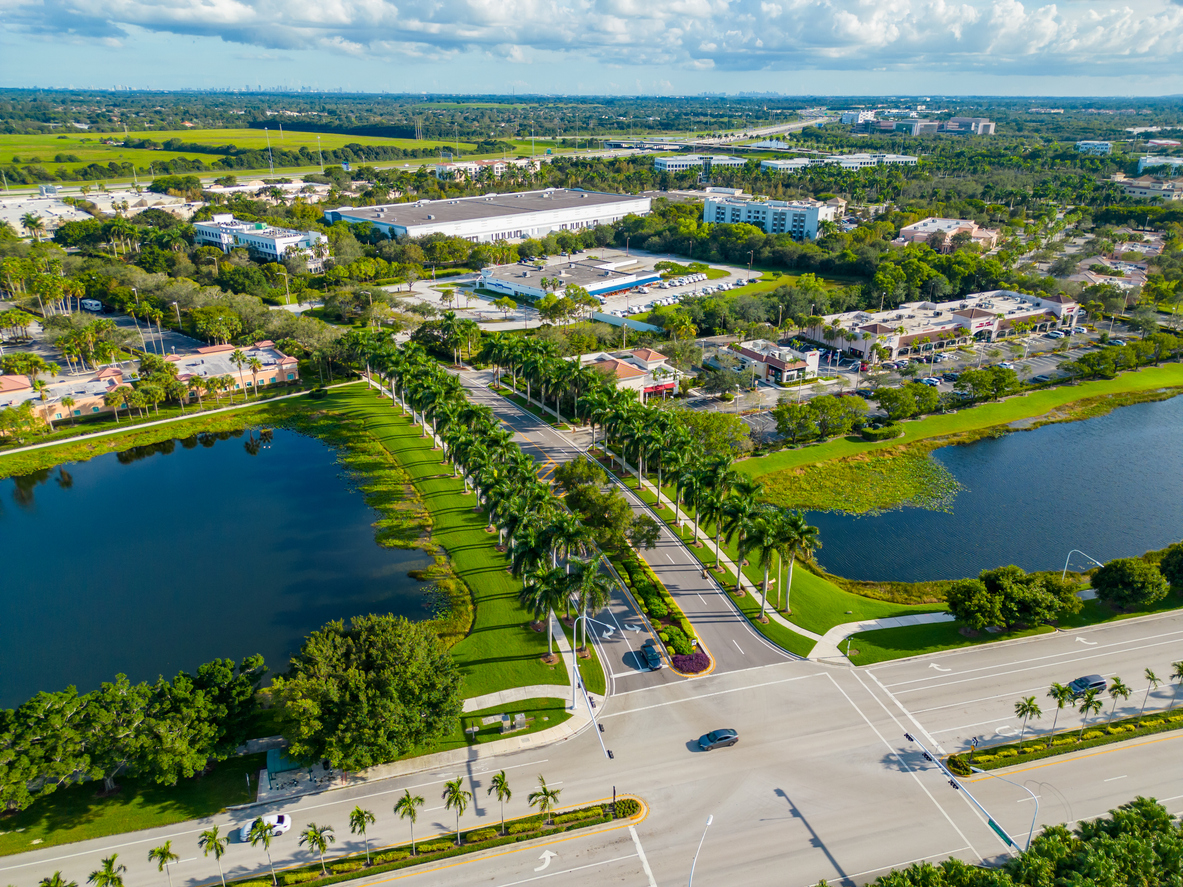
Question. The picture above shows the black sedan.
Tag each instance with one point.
(651, 655)
(718, 739)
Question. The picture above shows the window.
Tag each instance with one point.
(77, 412)
(94, 409)
(271, 381)
(291, 376)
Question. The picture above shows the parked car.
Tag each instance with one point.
(279, 822)
(951, 376)
(931, 382)
(1054, 334)
(718, 739)
(1007, 365)
(1120, 343)
(1042, 377)
(651, 655)
(1088, 682)
(1079, 330)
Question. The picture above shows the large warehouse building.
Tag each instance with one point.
(491, 217)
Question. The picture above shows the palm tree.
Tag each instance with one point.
(212, 842)
(545, 799)
(1062, 694)
(34, 224)
(260, 833)
(407, 807)
(1177, 677)
(1026, 708)
(456, 798)
(239, 360)
(110, 875)
(543, 592)
(765, 538)
(255, 365)
(318, 838)
(1117, 689)
(163, 856)
(801, 540)
(359, 821)
(56, 880)
(67, 403)
(1152, 682)
(1090, 704)
(591, 586)
(712, 508)
(500, 785)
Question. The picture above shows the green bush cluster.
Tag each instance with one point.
(676, 640)
(342, 867)
(485, 834)
(520, 828)
(435, 847)
(887, 432)
(656, 602)
(392, 856)
(627, 808)
(580, 815)
(298, 877)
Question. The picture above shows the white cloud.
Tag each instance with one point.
(736, 35)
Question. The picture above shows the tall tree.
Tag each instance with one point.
(456, 798)
(1152, 682)
(359, 821)
(164, 857)
(317, 839)
(1026, 708)
(1062, 695)
(499, 785)
(260, 833)
(1117, 690)
(545, 799)
(407, 807)
(110, 874)
(211, 841)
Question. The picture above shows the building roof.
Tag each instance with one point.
(486, 206)
(618, 368)
(214, 360)
(14, 383)
(648, 354)
(877, 329)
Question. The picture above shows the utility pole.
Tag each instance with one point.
(320, 156)
(270, 162)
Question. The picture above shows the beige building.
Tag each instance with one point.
(88, 395)
(920, 232)
(642, 370)
(214, 360)
(1151, 188)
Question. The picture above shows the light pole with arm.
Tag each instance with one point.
(1034, 797)
(710, 819)
(1077, 551)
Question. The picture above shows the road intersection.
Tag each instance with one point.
(823, 783)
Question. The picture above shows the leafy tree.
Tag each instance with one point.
(581, 471)
(795, 422)
(898, 403)
(1130, 583)
(1008, 596)
(835, 415)
(1171, 565)
(368, 693)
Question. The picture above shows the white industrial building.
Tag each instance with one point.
(1095, 148)
(598, 276)
(1152, 160)
(491, 217)
(683, 162)
(263, 241)
(845, 161)
(800, 218)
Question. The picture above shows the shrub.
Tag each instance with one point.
(528, 825)
(343, 867)
(1130, 583)
(392, 856)
(627, 807)
(1123, 728)
(1008, 753)
(887, 432)
(1092, 734)
(436, 846)
(298, 877)
(676, 639)
(579, 815)
(1065, 740)
(984, 759)
(692, 664)
(318, 393)
(485, 834)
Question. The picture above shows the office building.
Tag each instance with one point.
(979, 126)
(491, 217)
(922, 231)
(800, 218)
(1150, 161)
(683, 162)
(1151, 188)
(598, 276)
(846, 161)
(260, 239)
(1094, 148)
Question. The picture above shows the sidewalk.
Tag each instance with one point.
(827, 648)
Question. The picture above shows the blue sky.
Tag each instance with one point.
(809, 47)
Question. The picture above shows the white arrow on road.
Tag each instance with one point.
(606, 631)
(1083, 641)
(546, 857)
(937, 667)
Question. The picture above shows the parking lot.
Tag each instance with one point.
(645, 298)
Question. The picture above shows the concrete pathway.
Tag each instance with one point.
(828, 647)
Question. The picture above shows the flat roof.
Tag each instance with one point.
(485, 206)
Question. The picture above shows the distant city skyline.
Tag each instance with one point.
(792, 47)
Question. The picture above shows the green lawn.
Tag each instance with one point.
(541, 714)
(500, 651)
(916, 640)
(77, 814)
(1024, 406)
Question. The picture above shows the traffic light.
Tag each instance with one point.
(908, 736)
(955, 784)
(610, 755)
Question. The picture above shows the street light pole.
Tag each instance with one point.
(1034, 797)
(1077, 551)
(710, 819)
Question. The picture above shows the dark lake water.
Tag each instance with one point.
(157, 560)
(1110, 486)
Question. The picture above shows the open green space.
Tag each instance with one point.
(917, 640)
(500, 651)
(78, 812)
(541, 714)
(1085, 399)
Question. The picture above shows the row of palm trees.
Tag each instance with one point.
(549, 549)
(1091, 703)
(657, 442)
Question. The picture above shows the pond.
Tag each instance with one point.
(156, 560)
(1110, 486)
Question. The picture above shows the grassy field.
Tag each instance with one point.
(1059, 402)
(78, 814)
(916, 640)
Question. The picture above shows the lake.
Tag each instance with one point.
(156, 560)
(1110, 486)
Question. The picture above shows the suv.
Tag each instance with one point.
(650, 654)
(1082, 685)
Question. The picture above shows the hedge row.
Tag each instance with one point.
(656, 602)
(887, 432)
(1063, 743)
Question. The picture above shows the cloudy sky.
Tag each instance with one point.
(1072, 47)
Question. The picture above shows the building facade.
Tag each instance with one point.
(1152, 160)
(1151, 188)
(920, 232)
(1095, 148)
(642, 370)
(777, 363)
(492, 217)
(846, 161)
(683, 162)
(800, 218)
(599, 277)
(261, 240)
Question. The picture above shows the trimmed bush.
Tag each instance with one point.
(343, 867)
(435, 846)
(392, 856)
(627, 808)
(579, 815)
(298, 877)
(485, 834)
(677, 641)
(1091, 734)
(692, 664)
(887, 432)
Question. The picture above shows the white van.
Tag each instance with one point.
(91, 305)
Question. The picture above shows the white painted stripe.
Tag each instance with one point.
(641, 854)
(590, 865)
(738, 647)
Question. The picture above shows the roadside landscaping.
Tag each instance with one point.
(1037, 748)
(655, 601)
(352, 867)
